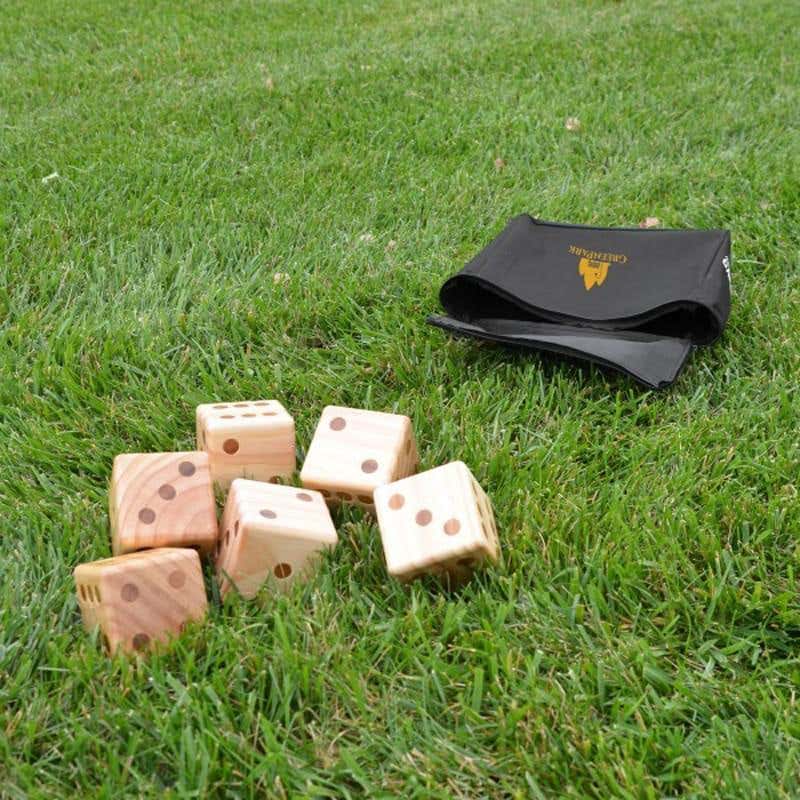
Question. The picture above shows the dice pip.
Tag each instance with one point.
(162, 500)
(270, 533)
(252, 439)
(141, 599)
(355, 451)
(438, 522)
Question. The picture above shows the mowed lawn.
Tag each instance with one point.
(236, 200)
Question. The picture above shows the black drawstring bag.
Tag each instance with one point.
(634, 300)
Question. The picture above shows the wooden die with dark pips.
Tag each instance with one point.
(271, 533)
(354, 451)
(162, 500)
(247, 439)
(437, 522)
(143, 599)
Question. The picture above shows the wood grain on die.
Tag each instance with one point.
(273, 533)
(162, 500)
(439, 521)
(354, 451)
(141, 599)
(253, 439)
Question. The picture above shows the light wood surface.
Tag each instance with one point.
(249, 438)
(354, 451)
(141, 599)
(271, 533)
(437, 522)
(162, 500)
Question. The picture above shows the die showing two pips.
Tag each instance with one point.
(354, 451)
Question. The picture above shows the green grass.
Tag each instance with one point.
(230, 178)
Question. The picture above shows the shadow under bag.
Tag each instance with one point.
(634, 300)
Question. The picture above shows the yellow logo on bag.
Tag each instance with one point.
(594, 272)
(593, 266)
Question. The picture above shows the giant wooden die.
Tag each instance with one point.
(438, 522)
(162, 500)
(141, 599)
(248, 439)
(271, 533)
(354, 451)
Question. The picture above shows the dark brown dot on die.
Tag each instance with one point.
(370, 465)
(283, 570)
(344, 496)
(166, 492)
(140, 641)
(230, 446)
(147, 516)
(267, 514)
(221, 405)
(187, 469)
(248, 415)
(241, 405)
(227, 416)
(365, 499)
(176, 579)
(305, 497)
(424, 517)
(325, 492)
(452, 527)
(236, 528)
(338, 424)
(396, 502)
(262, 403)
(129, 592)
(268, 414)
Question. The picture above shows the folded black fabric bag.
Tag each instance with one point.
(631, 299)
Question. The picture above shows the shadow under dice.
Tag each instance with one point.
(141, 599)
(355, 451)
(247, 440)
(438, 522)
(270, 533)
(162, 500)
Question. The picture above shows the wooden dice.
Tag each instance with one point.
(270, 532)
(247, 440)
(141, 599)
(437, 522)
(162, 500)
(355, 451)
